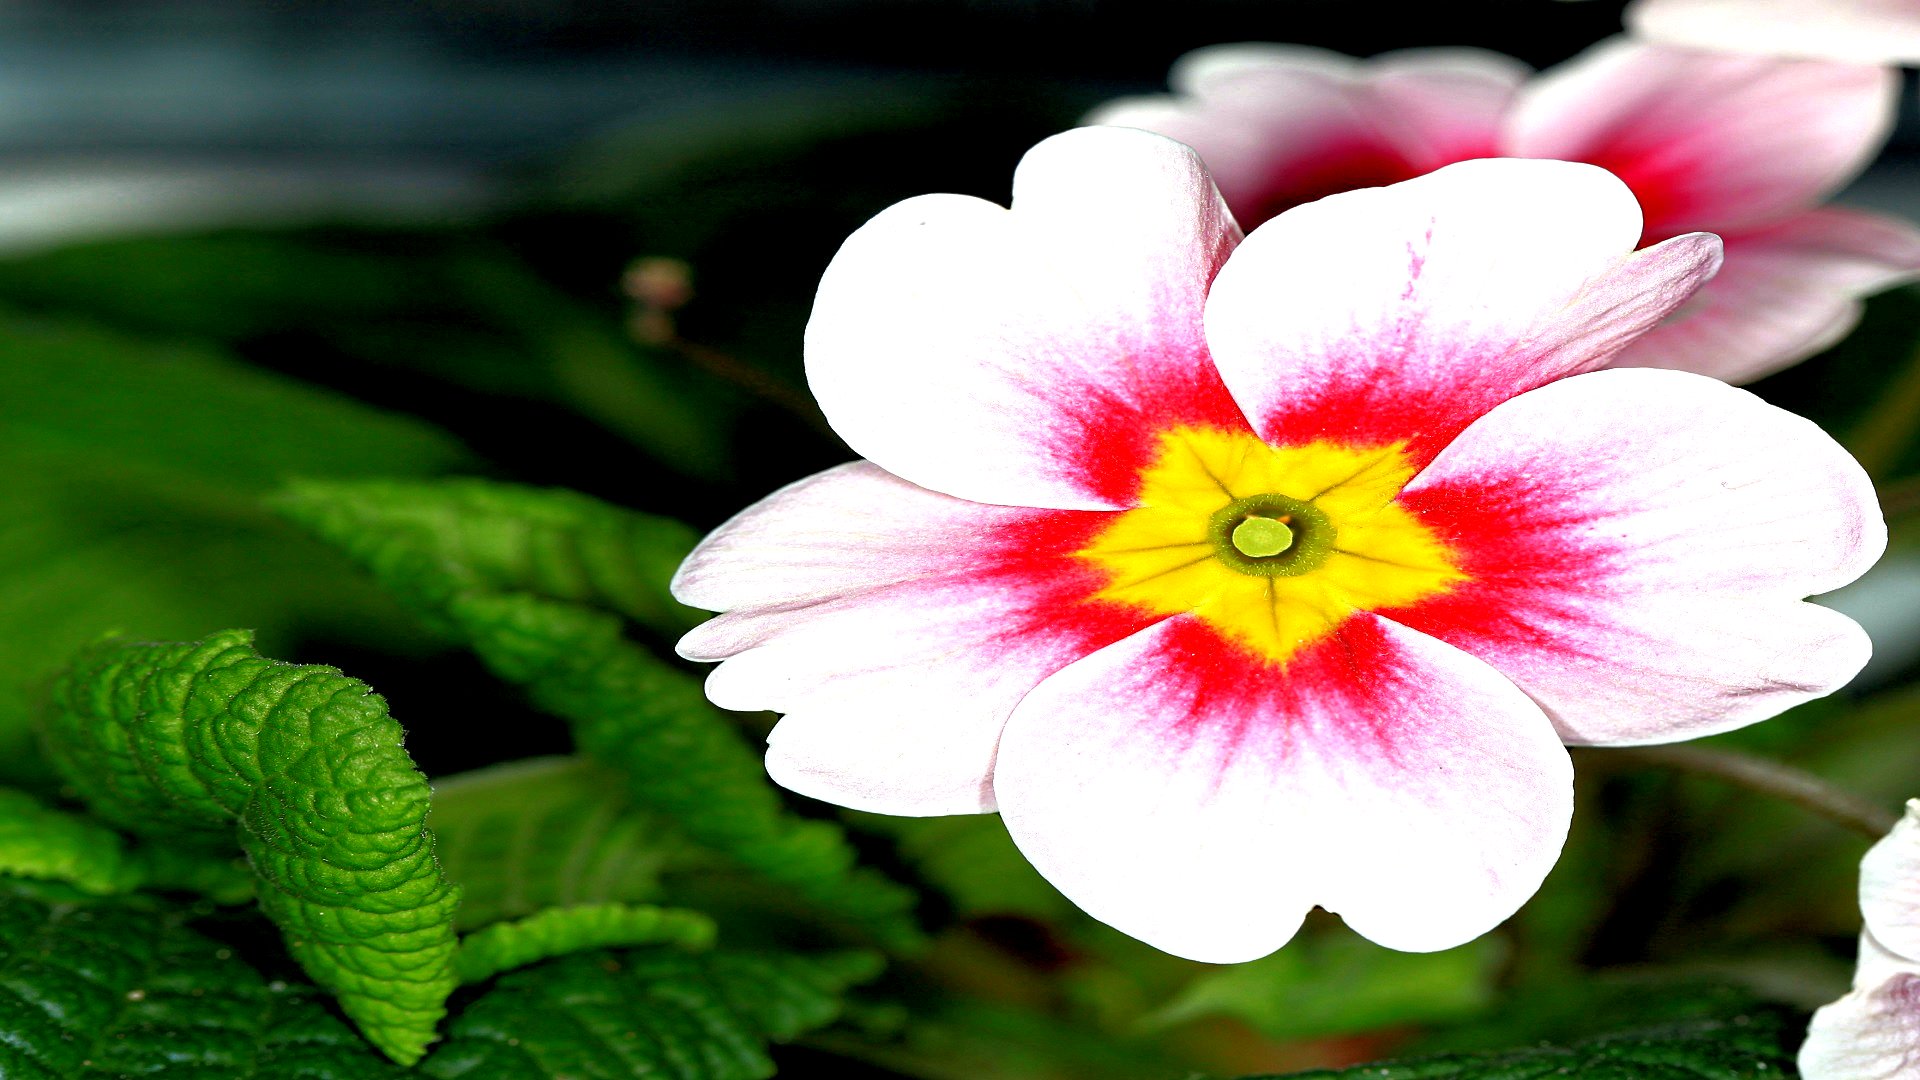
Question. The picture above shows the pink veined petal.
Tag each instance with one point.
(1404, 313)
(1784, 293)
(1192, 797)
(1708, 141)
(895, 627)
(1283, 125)
(1872, 1033)
(1849, 31)
(1637, 545)
(1028, 356)
(1890, 886)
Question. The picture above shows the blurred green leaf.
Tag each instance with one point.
(1753, 1047)
(122, 988)
(680, 756)
(971, 859)
(39, 841)
(430, 540)
(550, 832)
(646, 1012)
(130, 501)
(558, 931)
(455, 307)
(208, 739)
(1290, 994)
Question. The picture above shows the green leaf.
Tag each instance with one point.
(461, 309)
(1751, 1047)
(679, 754)
(121, 988)
(208, 737)
(1285, 995)
(549, 832)
(971, 859)
(646, 1012)
(561, 930)
(430, 540)
(38, 841)
(133, 477)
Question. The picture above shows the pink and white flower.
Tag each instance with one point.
(1742, 146)
(1850, 31)
(1242, 577)
(1873, 1033)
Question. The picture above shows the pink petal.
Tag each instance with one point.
(1708, 141)
(1785, 292)
(1890, 886)
(1029, 356)
(1404, 313)
(1637, 545)
(1850, 31)
(1280, 125)
(895, 627)
(1196, 799)
(1872, 1033)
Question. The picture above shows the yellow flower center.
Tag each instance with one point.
(1274, 548)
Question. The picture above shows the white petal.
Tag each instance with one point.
(1708, 141)
(1186, 794)
(1403, 313)
(1850, 31)
(1028, 356)
(1890, 886)
(1637, 544)
(896, 628)
(1872, 1033)
(1784, 293)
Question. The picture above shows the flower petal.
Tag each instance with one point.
(1850, 31)
(1785, 292)
(1708, 141)
(1282, 125)
(1403, 313)
(1188, 795)
(895, 627)
(1637, 544)
(1027, 356)
(1890, 886)
(1872, 1033)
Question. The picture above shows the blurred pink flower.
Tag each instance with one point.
(1242, 577)
(1850, 31)
(1742, 146)
(1873, 1033)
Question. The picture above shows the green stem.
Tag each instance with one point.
(1884, 432)
(1763, 775)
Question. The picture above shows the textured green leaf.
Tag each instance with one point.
(646, 1012)
(680, 756)
(562, 930)
(549, 832)
(205, 737)
(433, 539)
(1285, 995)
(1753, 1047)
(133, 476)
(119, 988)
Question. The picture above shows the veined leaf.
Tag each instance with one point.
(549, 832)
(207, 737)
(1752, 1047)
(680, 756)
(646, 1012)
(433, 539)
(121, 988)
(562, 930)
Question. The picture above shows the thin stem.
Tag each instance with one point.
(1763, 775)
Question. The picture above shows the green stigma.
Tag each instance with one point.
(1262, 537)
